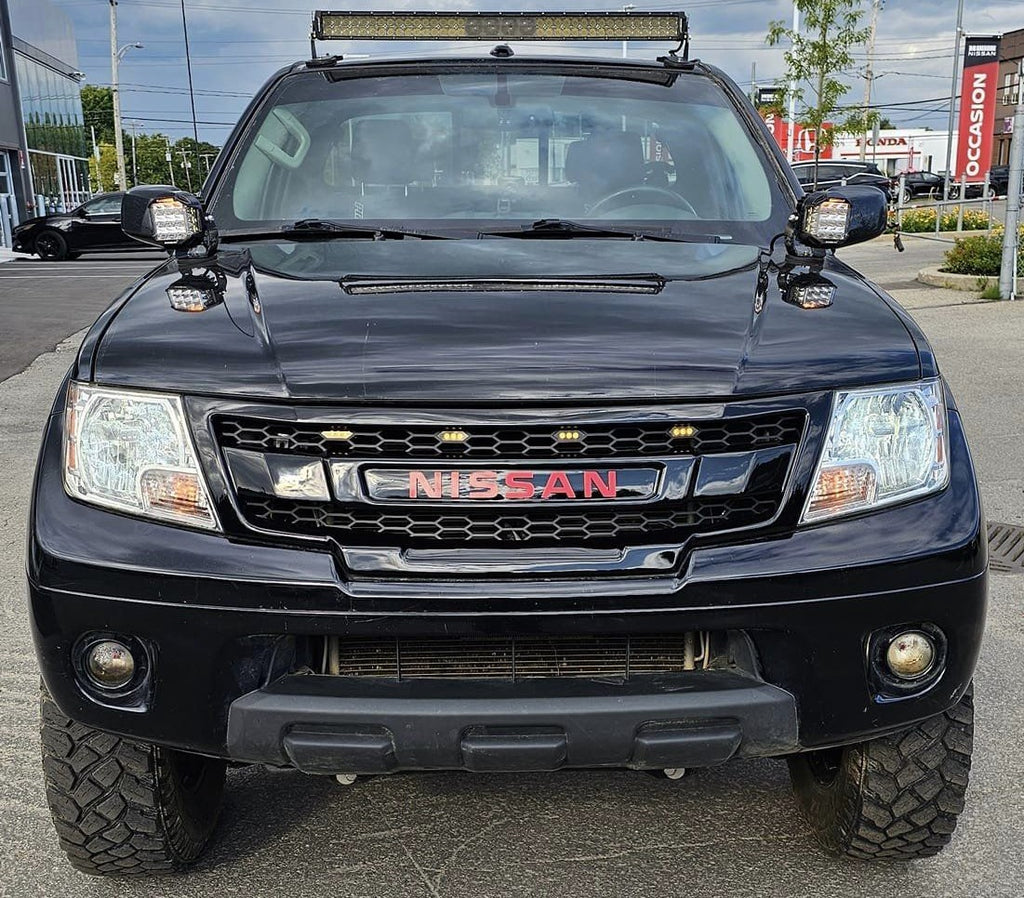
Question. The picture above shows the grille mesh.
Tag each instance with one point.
(512, 658)
(598, 441)
(429, 528)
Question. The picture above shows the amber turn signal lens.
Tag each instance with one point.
(844, 486)
(177, 493)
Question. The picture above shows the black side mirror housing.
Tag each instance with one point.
(167, 217)
(840, 216)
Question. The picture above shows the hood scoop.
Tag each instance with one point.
(632, 283)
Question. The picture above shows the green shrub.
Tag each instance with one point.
(980, 255)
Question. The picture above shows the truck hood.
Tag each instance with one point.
(284, 328)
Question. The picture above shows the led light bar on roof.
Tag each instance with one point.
(426, 26)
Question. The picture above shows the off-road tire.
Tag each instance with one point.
(894, 797)
(51, 247)
(122, 807)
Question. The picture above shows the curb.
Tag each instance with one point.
(968, 283)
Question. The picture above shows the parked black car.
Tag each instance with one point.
(95, 226)
(428, 451)
(924, 184)
(833, 173)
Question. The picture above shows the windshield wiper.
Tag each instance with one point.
(318, 229)
(563, 228)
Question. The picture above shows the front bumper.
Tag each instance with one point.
(215, 612)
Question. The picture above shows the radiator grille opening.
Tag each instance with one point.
(516, 658)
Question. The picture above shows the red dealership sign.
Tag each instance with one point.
(805, 138)
(977, 107)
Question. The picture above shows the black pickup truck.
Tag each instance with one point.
(503, 413)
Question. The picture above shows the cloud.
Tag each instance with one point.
(236, 45)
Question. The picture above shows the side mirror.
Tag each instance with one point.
(840, 216)
(166, 217)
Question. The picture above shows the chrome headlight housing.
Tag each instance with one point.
(131, 451)
(884, 445)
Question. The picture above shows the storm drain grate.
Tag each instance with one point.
(1006, 548)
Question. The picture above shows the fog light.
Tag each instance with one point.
(110, 664)
(910, 655)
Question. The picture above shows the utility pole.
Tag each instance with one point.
(957, 62)
(187, 165)
(1011, 237)
(869, 73)
(135, 167)
(791, 137)
(115, 60)
(753, 83)
(170, 161)
(191, 92)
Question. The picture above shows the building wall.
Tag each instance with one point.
(46, 64)
(1011, 54)
(13, 193)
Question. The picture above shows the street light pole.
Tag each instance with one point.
(952, 99)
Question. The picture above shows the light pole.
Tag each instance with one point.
(952, 99)
(869, 74)
(791, 133)
(629, 7)
(116, 55)
(135, 166)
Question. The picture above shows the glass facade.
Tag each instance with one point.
(52, 109)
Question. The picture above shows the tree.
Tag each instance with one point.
(815, 59)
(98, 112)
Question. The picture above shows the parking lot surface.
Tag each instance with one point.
(731, 831)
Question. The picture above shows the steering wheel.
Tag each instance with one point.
(633, 196)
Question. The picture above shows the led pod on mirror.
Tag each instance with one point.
(840, 216)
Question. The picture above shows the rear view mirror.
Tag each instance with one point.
(841, 216)
(164, 216)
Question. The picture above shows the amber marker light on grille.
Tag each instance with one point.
(569, 436)
(340, 434)
(593, 26)
(453, 436)
(845, 486)
(682, 431)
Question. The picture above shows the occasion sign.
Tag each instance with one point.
(978, 107)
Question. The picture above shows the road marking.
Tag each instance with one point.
(56, 277)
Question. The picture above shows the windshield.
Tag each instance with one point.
(465, 152)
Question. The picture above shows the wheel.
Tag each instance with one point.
(51, 247)
(632, 196)
(122, 807)
(906, 197)
(895, 796)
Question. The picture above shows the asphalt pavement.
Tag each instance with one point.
(732, 831)
(42, 303)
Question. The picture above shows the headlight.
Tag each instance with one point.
(132, 451)
(883, 446)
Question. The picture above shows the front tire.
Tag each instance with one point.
(51, 247)
(895, 796)
(122, 807)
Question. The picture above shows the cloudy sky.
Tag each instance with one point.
(237, 44)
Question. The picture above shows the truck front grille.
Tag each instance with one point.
(738, 469)
(607, 441)
(516, 658)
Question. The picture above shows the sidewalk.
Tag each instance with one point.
(6, 255)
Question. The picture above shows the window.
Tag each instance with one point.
(461, 147)
(105, 205)
(3, 57)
